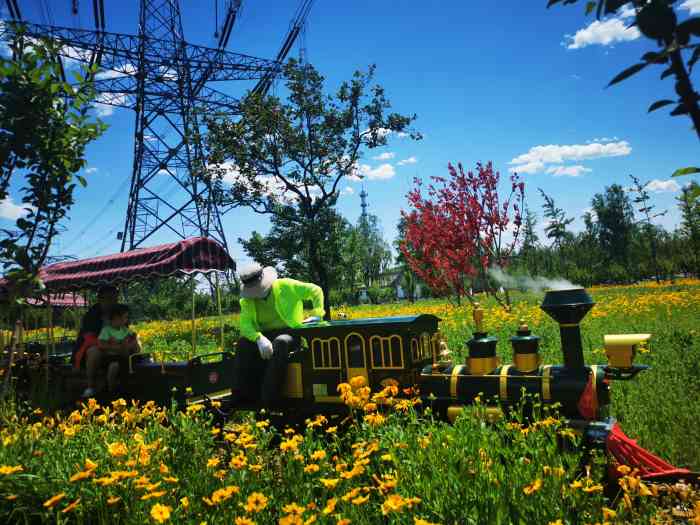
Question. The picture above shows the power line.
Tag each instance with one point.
(99, 214)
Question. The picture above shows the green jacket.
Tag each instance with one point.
(289, 296)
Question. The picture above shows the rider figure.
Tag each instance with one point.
(269, 307)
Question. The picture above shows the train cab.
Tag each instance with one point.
(387, 350)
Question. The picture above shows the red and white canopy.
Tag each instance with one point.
(190, 256)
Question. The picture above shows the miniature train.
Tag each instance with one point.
(403, 351)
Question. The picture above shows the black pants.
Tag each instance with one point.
(256, 378)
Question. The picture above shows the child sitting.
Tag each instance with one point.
(116, 343)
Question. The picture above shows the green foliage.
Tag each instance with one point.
(44, 130)
(657, 20)
(288, 159)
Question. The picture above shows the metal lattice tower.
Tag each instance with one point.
(167, 143)
(364, 218)
(164, 80)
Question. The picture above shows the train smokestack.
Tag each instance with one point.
(568, 307)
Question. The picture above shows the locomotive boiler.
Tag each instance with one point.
(581, 391)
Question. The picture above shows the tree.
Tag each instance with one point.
(690, 225)
(615, 224)
(530, 243)
(290, 158)
(409, 280)
(374, 251)
(642, 199)
(285, 246)
(557, 221)
(657, 21)
(456, 233)
(44, 130)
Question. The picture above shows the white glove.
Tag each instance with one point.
(265, 347)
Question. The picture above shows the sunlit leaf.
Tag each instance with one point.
(628, 73)
(659, 104)
(685, 171)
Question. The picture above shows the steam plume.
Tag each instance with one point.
(533, 284)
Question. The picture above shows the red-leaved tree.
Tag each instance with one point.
(462, 228)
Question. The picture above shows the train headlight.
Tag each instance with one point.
(621, 349)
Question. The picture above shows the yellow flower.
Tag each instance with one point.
(351, 494)
(7, 470)
(358, 382)
(343, 521)
(608, 514)
(624, 469)
(374, 420)
(293, 509)
(117, 449)
(291, 444)
(238, 462)
(256, 502)
(213, 462)
(311, 468)
(163, 468)
(243, 521)
(160, 513)
(185, 502)
(593, 488)
(262, 424)
(330, 506)
(320, 420)
(171, 479)
(90, 465)
(151, 495)
(331, 430)
(360, 500)
(291, 519)
(255, 468)
(533, 487)
(81, 475)
(418, 521)
(558, 522)
(71, 507)
(330, 483)
(11, 497)
(49, 503)
(113, 500)
(318, 455)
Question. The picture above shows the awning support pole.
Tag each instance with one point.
(221, 317)
(194, 326)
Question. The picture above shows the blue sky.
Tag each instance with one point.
(510, 82)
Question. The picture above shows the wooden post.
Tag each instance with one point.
(194, 327)
(221, 317)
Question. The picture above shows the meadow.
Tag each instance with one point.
(126, 463)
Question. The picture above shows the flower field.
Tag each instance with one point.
(126, 463)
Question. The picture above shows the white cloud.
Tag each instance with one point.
(605, 32)
(11, 211)
(568, 171)
(150, 138)
(691, 5)
(125, 69)
(387, 155)
(536, 158)
(381, 172)
(409, 160)
(347, 191)
(660, 186)
(90, 171)
(402, 134)
(105, 110)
